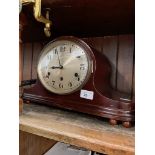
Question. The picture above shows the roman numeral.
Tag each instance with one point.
(49, 57)
(60, 85)
(70, 84)
(62, 49)
(53, 82)
(55, 51)
(48, 75)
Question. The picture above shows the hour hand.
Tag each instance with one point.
(57, 67)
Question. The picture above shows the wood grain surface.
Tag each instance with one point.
(36, 47)
(125, 63)
(27, 61)
(77, 129)
(31, 144)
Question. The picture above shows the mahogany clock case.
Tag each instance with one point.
(106, 103)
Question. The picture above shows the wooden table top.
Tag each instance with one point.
(93, 133)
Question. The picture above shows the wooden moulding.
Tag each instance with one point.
(77, 129)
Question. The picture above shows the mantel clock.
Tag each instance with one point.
(73, 75)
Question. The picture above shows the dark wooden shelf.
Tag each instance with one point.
(77, 129)
(82, 18)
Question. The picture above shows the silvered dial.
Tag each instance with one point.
(64, 67)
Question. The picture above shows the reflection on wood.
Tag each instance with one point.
(109, 49)
(125, 63)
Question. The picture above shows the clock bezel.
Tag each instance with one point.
(89, 55)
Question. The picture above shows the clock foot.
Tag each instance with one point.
(113, 122)
(126, 124)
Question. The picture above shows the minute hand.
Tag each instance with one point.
(59, 59)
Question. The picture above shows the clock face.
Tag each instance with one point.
(64, 66)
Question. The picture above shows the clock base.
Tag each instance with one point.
(101, 105)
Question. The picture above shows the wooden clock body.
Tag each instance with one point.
(106, 102)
